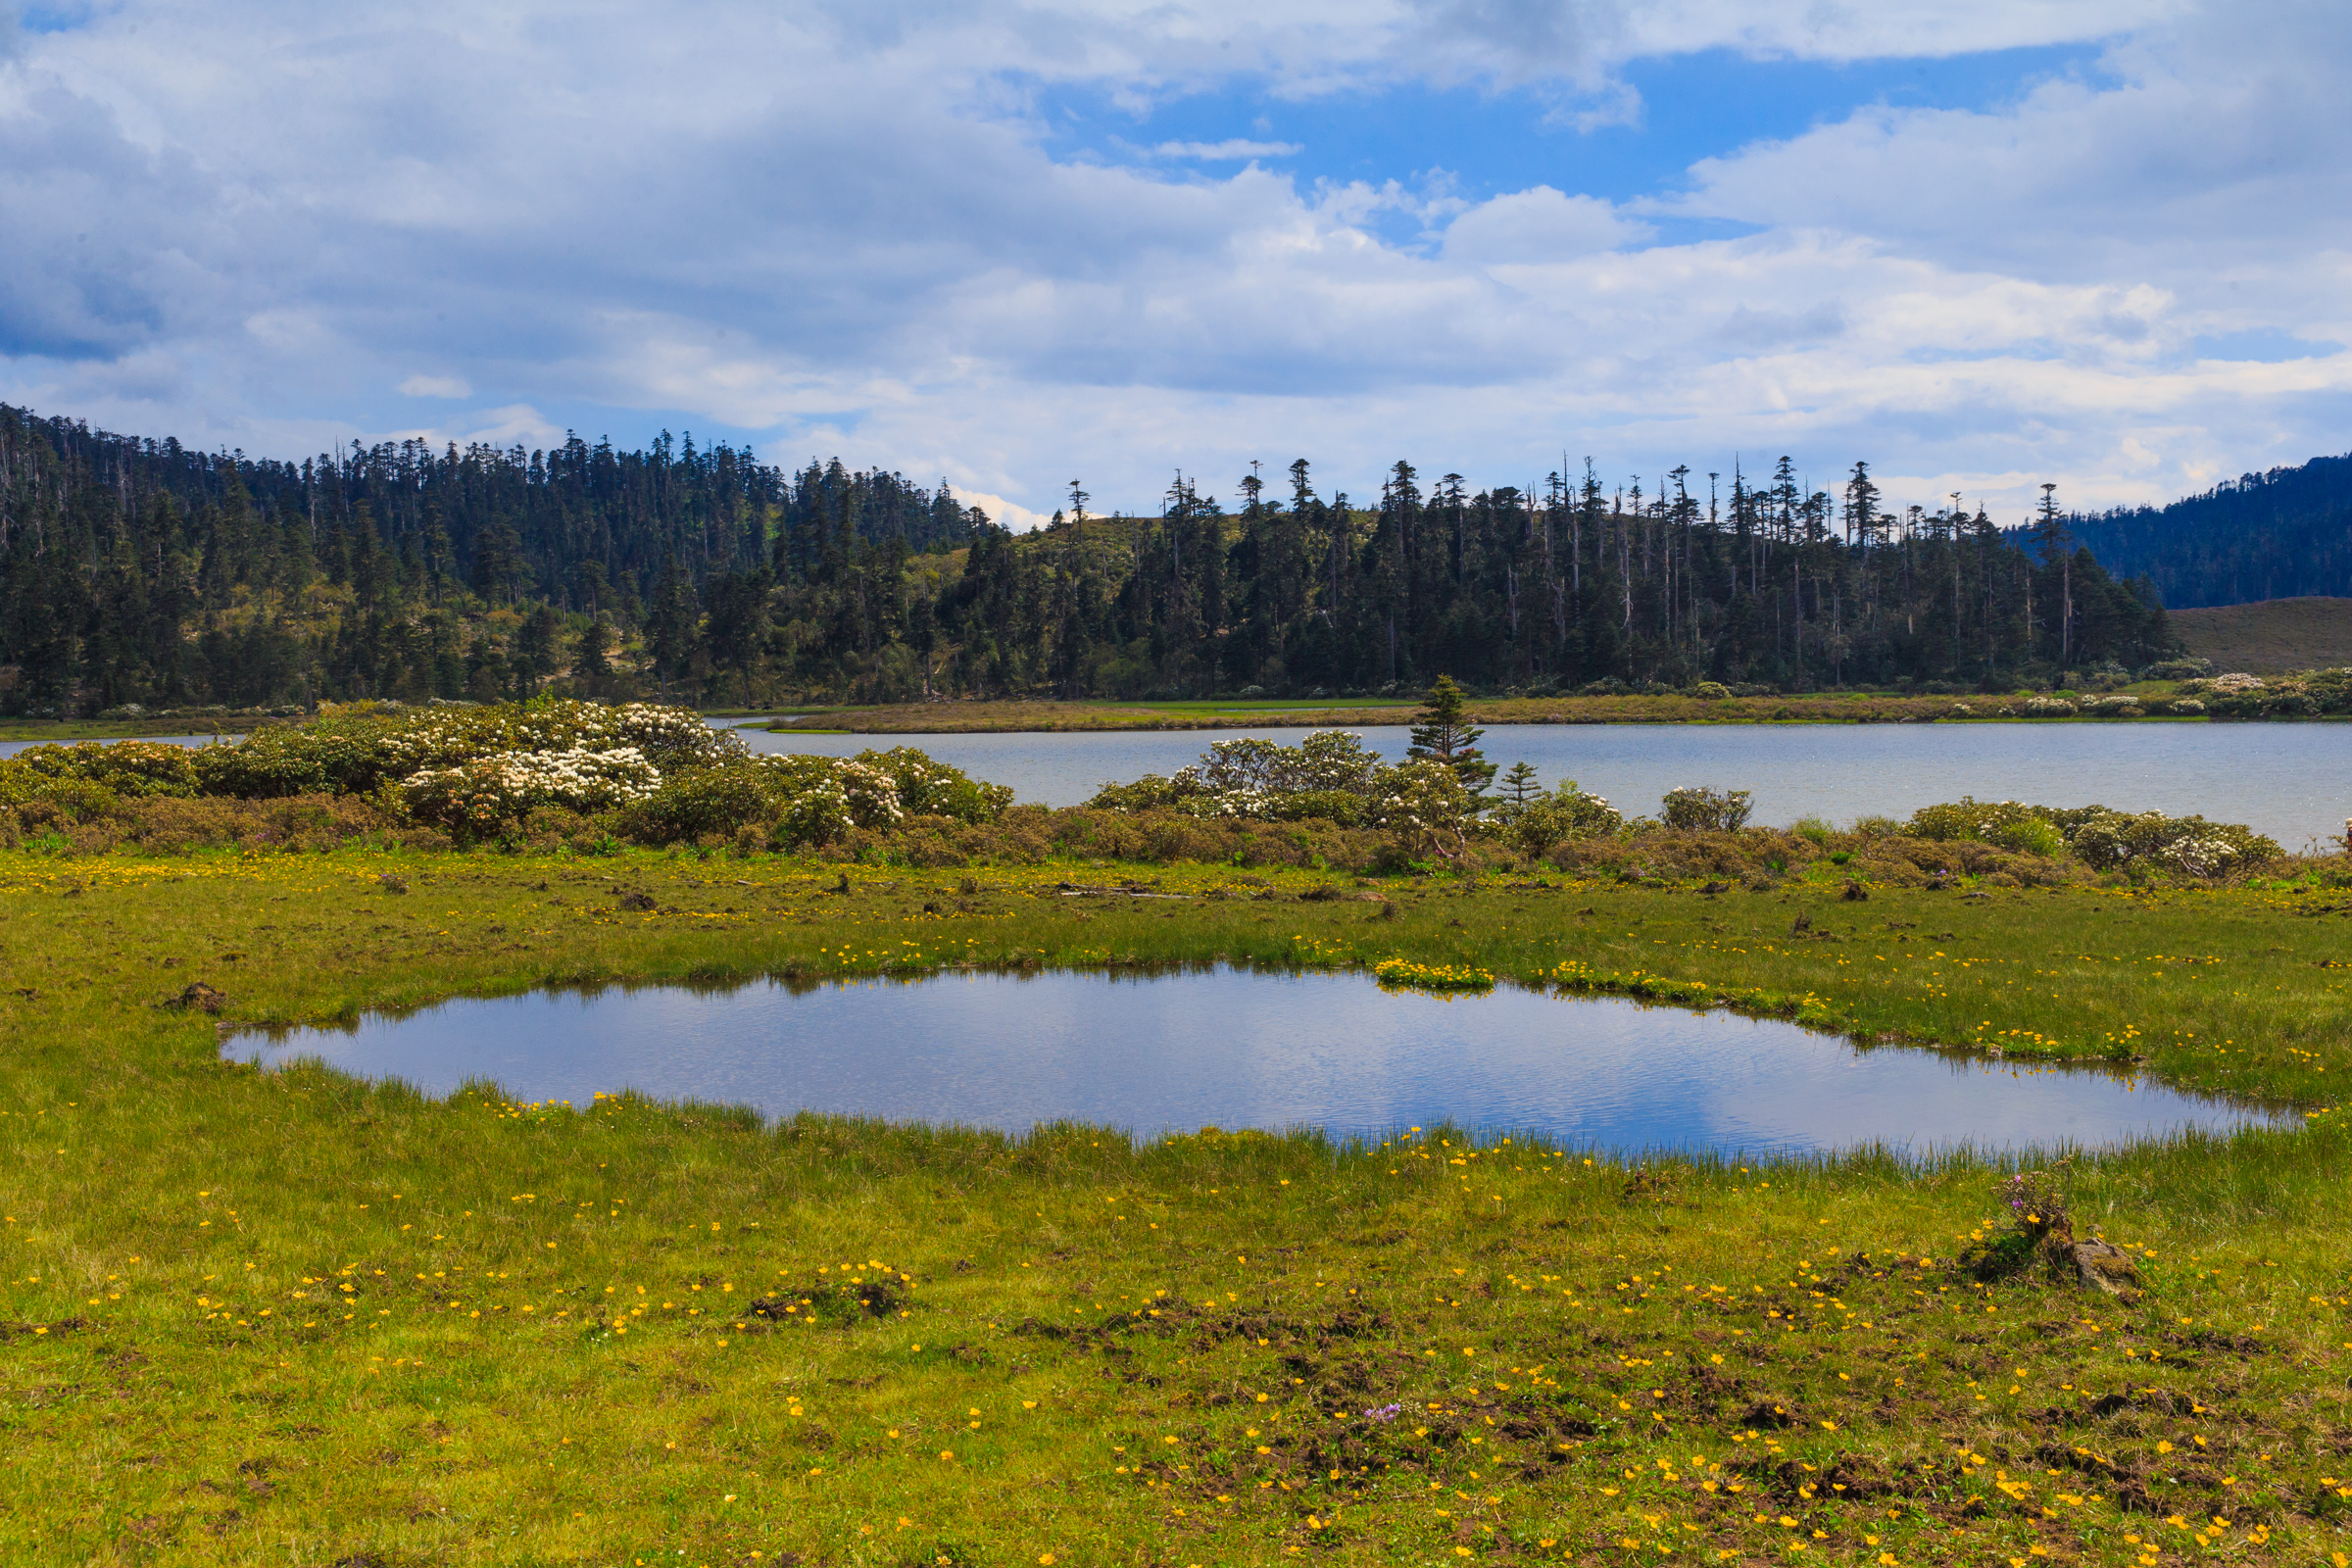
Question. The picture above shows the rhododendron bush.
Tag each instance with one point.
(2099, 836)
(492, 793)
(355, 751)
(802, 800)
(642, 771)
(1328, 775)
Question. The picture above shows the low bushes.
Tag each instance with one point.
(2100, 837)
(173, 824)
(2298, 696)
(1419, 806)
(592, 779)
(551, 768)
(794, 801)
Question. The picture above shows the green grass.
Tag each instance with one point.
(2272, 636)
(1043, 715)
(289, 1317)
(116, 729)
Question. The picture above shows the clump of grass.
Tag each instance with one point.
(1405, 975)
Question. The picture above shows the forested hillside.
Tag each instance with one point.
(140, 572)
(2285, 534)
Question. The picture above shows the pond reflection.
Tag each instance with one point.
(1233, 1049)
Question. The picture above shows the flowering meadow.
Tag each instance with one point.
(288, 1316)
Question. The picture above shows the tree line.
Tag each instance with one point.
(2281, 535)
(138, 571)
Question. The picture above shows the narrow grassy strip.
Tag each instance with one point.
(287, 1313)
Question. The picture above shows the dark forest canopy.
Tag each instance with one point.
(2282, 534)
(142, 572)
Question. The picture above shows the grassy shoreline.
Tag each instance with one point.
(1054, 716)
(1080, 717)
(66, 730)
(295, 1316)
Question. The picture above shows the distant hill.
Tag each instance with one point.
(2282, 535)
(2273, 635)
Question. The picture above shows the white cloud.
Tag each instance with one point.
(839, 227)
(1002, 513)
(1230, 151)
(1538, 225)
(436, 386)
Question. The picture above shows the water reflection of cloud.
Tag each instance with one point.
(1236, 1049)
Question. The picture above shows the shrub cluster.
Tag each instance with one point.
(639, 771)
(2100, 837)
(485, 796)
(1421, 807)
(1535, 827)
(2299, 696)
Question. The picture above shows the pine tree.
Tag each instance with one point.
(535, 646)
(2051, 538)
(1444, 735)
(591, 668)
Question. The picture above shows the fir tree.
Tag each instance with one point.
(1444, 735)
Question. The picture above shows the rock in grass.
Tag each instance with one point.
(2102, 1266)
(199, 998)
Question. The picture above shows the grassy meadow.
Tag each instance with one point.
(2272, 636)
(287, 1317)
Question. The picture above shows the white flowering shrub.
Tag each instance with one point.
(801, 800)
(819, 799)
(2115, 704)
(1329, 774)
(489, 795)
(2048, 708)
(2108, 840)
(928, 787)
(669, 738)
(1568, 812)
(2318, 691)
(2098, 836)
(354, 751)
(1423, 807)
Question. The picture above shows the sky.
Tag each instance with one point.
(1015, 244)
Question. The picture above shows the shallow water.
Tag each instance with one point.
(1235, 1049)
(2290, 781)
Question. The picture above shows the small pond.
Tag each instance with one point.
(1233, 1049)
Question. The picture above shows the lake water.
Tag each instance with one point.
(2290, 781)
(1236, 1049)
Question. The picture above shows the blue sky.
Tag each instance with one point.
(1008, 242)
(1492, 142)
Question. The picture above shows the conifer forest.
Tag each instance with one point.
(141, 574)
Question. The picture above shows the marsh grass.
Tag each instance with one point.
(1179, 1351)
